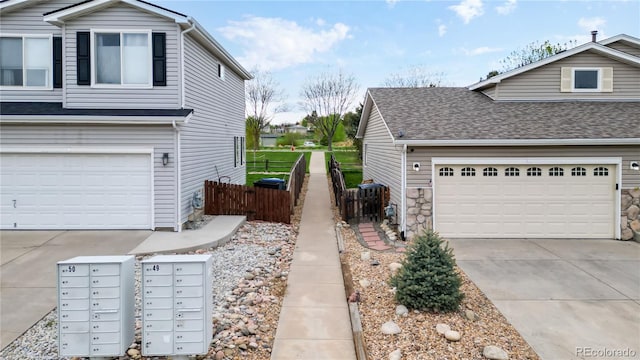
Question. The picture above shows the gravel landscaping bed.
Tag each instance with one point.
(249, 280)
(479, 322)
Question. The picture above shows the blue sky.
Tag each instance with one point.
(462, 39)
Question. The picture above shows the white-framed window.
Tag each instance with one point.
(534, 171)
(490, 171)
(446, 171)
(239, 151)
(468, 171)
(512, 171)
(121, 58)
(26, 61)
(221, 71)
(586, 79)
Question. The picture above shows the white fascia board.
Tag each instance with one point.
(217, 49)
(85, 119)
(75, 150)
(519, 142)
(13, 4)
(624, 37)
(578, 49)
(59, 17)
(525, 160)
(366, 111)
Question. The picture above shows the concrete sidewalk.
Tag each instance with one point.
(314, 321)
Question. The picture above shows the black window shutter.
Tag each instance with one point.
(159, 41)
(83, 56)
(57, 62)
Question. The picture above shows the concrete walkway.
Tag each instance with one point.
(569, 298)
(314, 321)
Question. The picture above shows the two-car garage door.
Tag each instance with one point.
(530, 200)
(76, 190)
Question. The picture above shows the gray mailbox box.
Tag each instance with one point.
(177, 305)
(96, 305)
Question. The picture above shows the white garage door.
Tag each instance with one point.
(536, 201)
(75, 191)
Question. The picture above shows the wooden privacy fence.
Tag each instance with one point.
(357, 205)
(296, 179)
(255, 203)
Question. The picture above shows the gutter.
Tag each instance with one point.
(403, 191)
(89, 119)
(519, 142)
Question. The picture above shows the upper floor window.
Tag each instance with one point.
(586, 79)
(25, 61)
(122, 58)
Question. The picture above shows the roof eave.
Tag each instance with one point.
(364, 118)
(519, 142)
(59, 17)
(94, 119)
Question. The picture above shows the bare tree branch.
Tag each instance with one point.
(261, 92)
(330, 95)
(414, 77)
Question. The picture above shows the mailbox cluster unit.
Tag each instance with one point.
(177, 304)
(96, 305)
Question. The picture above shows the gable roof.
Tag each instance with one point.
(187, 23)
(599, 47)
(459, 116)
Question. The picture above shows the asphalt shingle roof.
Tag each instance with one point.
(460, 114)
(56, 109)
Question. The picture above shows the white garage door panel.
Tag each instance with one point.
(525, 206)
(76, 191)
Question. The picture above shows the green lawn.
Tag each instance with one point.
(350, 165)
(276, 162)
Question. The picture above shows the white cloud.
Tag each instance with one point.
(468, 9)
(442, 29)
(391, 3)
(507, 7)
(275, 43)
(320, 22)
(595, 23)
(479, 51)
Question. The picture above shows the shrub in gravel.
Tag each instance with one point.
(428, 280)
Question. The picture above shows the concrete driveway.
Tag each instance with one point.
(28, 270)
(570, 299)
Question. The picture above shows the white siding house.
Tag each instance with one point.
(86, 144)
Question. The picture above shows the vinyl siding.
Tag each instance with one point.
(383, 158)
(491, 92)
(544, 82)
(624, 47)
(161, 138)
(122, 17)
(29, 21)
(630, 178)
(207, 140)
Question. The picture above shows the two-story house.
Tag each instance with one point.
(548, 150)
(112, 115)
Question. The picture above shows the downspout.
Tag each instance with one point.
(403, 190)
(177, 140)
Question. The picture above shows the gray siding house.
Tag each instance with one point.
(113, 113)
(548, 150)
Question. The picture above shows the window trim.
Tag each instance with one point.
(94, 60)
(50, 63)
(573, 79)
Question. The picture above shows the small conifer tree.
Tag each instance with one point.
(428, 280)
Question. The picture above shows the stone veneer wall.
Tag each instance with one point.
(419, 211)
(420, 216)
(630, 221)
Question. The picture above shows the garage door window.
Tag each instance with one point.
(512, 171)
(578, 171)
(534, 171)
(490, 171)
(468, 171)
(446, 171)
(556, 171)
(601, 171)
